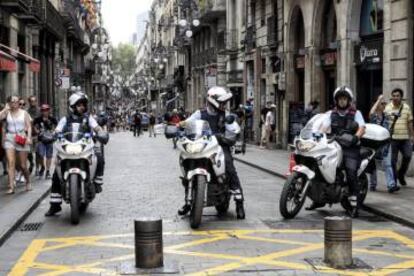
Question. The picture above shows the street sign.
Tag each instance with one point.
(65, 82)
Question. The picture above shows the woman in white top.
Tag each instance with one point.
(18, 122)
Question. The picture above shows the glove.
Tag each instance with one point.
(348, 140)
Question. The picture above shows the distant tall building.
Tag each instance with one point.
(141, 23)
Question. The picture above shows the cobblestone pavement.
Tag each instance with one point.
(142, 180)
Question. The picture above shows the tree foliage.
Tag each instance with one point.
(123, 60)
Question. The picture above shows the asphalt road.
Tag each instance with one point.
(142, 179)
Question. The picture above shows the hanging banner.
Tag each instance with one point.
(7, 63)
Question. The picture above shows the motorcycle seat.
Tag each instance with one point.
(365, 153)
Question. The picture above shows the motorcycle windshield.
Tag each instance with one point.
(313, 126)
(74, 133)
(197, 129)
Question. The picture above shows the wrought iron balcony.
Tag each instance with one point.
(272, 30)
(53, 20)
(16, 6)
(212, 9)
(70, 20)
(250, 40)
(235, 76)
(35, 14)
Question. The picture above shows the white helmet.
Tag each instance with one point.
(343, 91)
(76, 98)
(218, 96)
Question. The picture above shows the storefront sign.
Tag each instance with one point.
(7, 63)
(329, 59)
(369, 52)
(34, 66)
(300, 62)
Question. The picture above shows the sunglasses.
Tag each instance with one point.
(22, 104)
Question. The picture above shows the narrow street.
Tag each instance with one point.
(141, 180)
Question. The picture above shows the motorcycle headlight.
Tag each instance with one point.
(73, 149)
(305, 146)
(195, 147)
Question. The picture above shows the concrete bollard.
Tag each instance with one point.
(148, 243)
(338, 242)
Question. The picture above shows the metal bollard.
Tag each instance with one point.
(148, 243)
(338, 242)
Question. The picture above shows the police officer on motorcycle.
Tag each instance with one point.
(219, 121)
(78, 106)
(348, 125)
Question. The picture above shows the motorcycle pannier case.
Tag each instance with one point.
(375, 136)
(170, 131)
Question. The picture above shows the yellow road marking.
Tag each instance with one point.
(28, 259)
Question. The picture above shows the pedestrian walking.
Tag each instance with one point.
(152, 122)
(17, 140)
(137, 124)
(263, 114)
(34, 159)
(378, 116)
(269, 126)
(45, 125)
(402, 135)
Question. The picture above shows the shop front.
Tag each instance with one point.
(368, 59)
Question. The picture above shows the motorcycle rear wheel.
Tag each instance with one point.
(290, 194)
(197, 205)
(74, 185)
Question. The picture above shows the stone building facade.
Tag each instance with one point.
(366, 45)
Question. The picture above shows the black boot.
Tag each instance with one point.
(240, 210)
(53, 210)
(353, 212)
(314, 206)
(184, 210)
(98, 188)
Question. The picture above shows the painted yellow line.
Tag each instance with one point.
(198, 242)
(27, 259)
(383, 253)
(253, 238)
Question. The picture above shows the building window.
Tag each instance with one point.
(372, 17)
(263, 66)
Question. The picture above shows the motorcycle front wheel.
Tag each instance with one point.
(290, 202)
(74, 185)
(198, 192)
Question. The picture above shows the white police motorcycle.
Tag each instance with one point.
(319, 173)
(76, 164)
(203, 167)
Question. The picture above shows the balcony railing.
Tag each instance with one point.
(212, 8)
(232, 40)
(272, 30)
(204, 58)
(70, 20)
(35, 14)
(250, 40)
(53, 20)
(16, 6)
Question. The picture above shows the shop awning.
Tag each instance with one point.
(7, 62)
(34, 64)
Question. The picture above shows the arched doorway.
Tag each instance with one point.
(298, 42)
(326, 41)
(368, 55)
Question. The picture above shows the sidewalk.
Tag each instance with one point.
(395, 206)
(14, 209)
